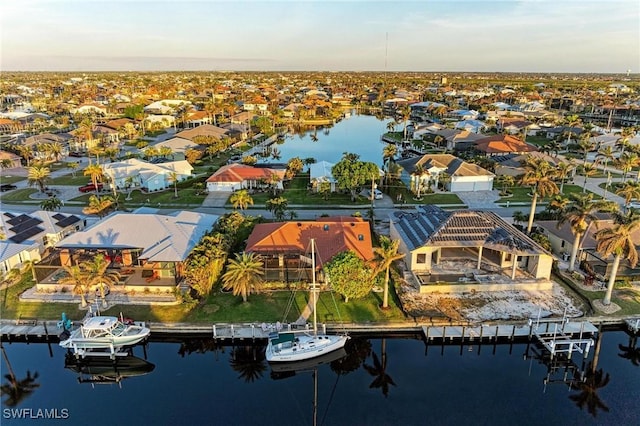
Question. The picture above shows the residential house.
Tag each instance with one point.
(14, 160)
(196, 118)
(321, 172)
(235, 176)
(147, 250)
(512, 126)
(285, 247)
(42, 228)
(468, 246)
(463, 176)
(90, 108)
(178, 147)
(14, 255)
(502, 145)
(511, 164)
(562, 240)
(165, 106)
(203, 130)
(148, 176)
(474, 126)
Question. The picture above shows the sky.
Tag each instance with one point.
(589, 36)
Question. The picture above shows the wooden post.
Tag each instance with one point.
(481, 329)
(214, 331)
(253, 332)
(513, 332)
(232, 335)
(496, 336)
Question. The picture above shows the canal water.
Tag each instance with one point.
(390, 381)
(359, 134)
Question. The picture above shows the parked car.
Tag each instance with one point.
(634, 204)
(7, 187)
(377, 194)
(90, 188)
(75, 154)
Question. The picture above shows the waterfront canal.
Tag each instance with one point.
(380, 382)
(358, 134)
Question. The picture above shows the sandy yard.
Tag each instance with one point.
(494, 305)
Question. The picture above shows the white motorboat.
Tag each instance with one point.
(103, 333)
(290, 346)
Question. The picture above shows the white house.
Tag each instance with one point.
(152, 177)
(321, 172)
(463, 176)
(13, 255)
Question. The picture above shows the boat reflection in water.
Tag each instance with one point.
(282, 370)
(105, 370)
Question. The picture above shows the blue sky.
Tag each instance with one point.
(423, 35)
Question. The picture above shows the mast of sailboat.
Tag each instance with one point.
(313, 286)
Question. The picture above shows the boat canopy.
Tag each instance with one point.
(282, 338)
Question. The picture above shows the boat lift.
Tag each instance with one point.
(557, 338)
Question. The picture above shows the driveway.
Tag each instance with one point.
(479, 199)
(216, 199)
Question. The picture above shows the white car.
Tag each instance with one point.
(377, 194)
(635, 204)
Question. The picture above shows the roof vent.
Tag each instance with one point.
(299, 224)
(353, 224)
(360, 237)
(325, 227)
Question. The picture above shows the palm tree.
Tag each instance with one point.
(173, 178)
(38, 175)
(626, 162)
(273, 180)
(388, 154)
(244, 275)
(95, 172)
(391, 126)
(55, 150)
(98, 275)
(379, 371)
(79, 279)
(241, 199)
(588, 170)
(99, 205)
(607, 155)
(386, 254)
(26, 153)
(630, 190)
(51, 204)
(539, 175)
(73, 165)
(563, 170)
(417, 174)
(579, 213)
(405, 113)
(572, 121)
(618, 241)
(277, 206)
(586, 145)
(16, 390)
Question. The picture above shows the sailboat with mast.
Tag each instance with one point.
(291, 346)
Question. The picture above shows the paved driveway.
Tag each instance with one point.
(216, 199)
(479, 199)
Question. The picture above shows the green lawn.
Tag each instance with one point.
(218, 307)
(6, 179)
(18, 195)
(538, 140)
(79, 180)
(522, 194)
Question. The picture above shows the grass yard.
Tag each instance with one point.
(78, 180)
(7, 179)
(522, 194)
(18, 195)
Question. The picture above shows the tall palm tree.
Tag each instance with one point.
(571, 121)
(587, 170)
(241, 199)
(99, 275)
(563, 169)
(388, 154)
(606, 154)
(244, 275)
(26, 153)
(55, 150)
(78, 278)
(38, 175)
(386, 254)
(588, 396)
(51, 204)
(586, 145)
(73, 165)
(626, 162)
(579, 213)
(95, 172)
(173, 178)
(618, 241)
(539, 174)
(391, 126)
(630, 190)
(417, 174)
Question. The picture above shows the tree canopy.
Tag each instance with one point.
(351, 173)
(349, 275)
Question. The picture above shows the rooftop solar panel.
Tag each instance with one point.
(18, 219)
(18, 238)
(23, 226)
(9, 215)
(58, 216)
(68, 221)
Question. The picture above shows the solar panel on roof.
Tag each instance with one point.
(18, 238)
(68, 221)
(58, 216)
(9, 215)
(18, 219)
(23, 226)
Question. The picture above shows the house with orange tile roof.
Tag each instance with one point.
(232, 177)
(285, 247)
(502, 145)
(197, 118)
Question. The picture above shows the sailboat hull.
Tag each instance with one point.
(288, 347)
